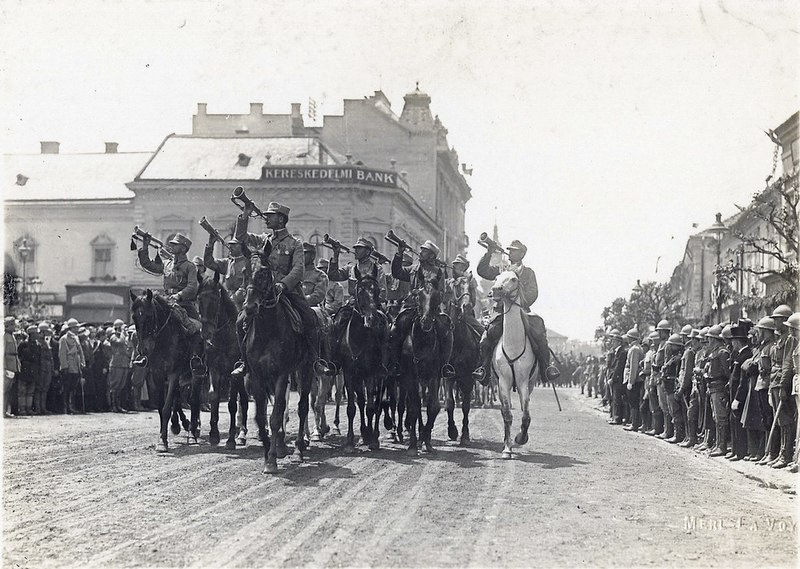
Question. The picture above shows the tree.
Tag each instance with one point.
(651, 302)
(616, 316)
(777, 207)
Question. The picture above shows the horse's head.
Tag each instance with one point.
(461, 298)
(367, 295)
(506, 287)
(428, 302)
(148, 319)
(261, 289)
(211, 299)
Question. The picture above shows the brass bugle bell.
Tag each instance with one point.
(487, 243)
(205, 224)
(140, 234)
(240, 200)
(332, 243)
(397, 241)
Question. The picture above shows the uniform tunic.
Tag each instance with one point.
(180, 278)
(365, 267)
(236, 271)
(315, 284)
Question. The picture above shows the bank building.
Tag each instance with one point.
(69, 217)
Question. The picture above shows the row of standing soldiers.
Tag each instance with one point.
(729, 389)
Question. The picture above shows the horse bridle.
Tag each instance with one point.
(163, 326)
(217, 327)
(361, 283)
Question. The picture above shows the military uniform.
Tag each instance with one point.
(670, 381)
(782, 402)
(717, 373)
(315, 285)
(365, 267)
(180, 279)
(236, 271)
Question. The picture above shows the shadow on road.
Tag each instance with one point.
(549, 461)
(310, 473)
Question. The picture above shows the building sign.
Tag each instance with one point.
(338, 174)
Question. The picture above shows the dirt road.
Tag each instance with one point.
(90, 491)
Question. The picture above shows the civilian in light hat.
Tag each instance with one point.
(71, 362)
(651, 388)
(119, 368)
(287, 262)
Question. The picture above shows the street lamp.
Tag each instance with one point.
(24, 251)
(718, 230)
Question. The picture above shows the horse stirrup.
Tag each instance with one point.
(448, 371)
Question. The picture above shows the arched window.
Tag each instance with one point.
(316, 241)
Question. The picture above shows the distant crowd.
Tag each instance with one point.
(70, 367)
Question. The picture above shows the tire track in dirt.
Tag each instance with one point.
(289, 515)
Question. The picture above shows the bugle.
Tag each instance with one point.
(140, 234)
(240, 200)
(332, 243)
(379, 257)
(205, 224)
(398, 242)
(490, 244)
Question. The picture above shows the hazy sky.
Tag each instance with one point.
(599, 133)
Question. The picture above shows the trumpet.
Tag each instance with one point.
(398, 242)
(240, 200)
(141, 235)
(490, 244)
(205, 224)
(379, 257)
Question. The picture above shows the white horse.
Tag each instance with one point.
(514, 360)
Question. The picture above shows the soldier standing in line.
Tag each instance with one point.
(708, 427)
(651, 390)
(30, 357)
(618, 359)
(45, 369)
(671, 375)
(793, 369)
(780, 388)
(688, 389)
(663, 329)
(717, 373)
(633, 380)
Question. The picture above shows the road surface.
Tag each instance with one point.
(90, 491)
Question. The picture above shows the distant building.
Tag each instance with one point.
(361, 174)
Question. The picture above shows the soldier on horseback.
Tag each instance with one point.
(529, 292)
(426, 270)
(462, 283)
(180, 286)
(287, 262)
(315, 282)
(364, 266)
(235, 267)
(334, 294)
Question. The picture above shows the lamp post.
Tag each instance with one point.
(24, 251)
(718, 230)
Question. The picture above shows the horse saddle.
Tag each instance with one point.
(536, 331)
(191, 325)
(292, 314)
(324, 321)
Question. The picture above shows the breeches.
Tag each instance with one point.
(786, 417)
(663, 403)
(720, 405)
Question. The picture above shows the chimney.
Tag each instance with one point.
(297, 119)
(256, 109)
(49, 147)
(111, 147)
(201, 108)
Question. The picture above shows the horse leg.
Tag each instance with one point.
(372, 421)
(322, 401)
(304, 388)
(244, 406)
(279, 436)
(194, 406)
(270, 456)
(350, 445)
(402, 416)
(316, 388)
(233, 394)
(450, 405)
(433, 407)
(213, 402)
(505, 410)
(414, 412)
(466, 402)
(524, 402)
(366, 432)
(166, 412)
(175, 426)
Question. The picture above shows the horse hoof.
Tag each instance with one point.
(392, 436)
(161, 446)
(271, 468)
(464, 440)
(452, 432)
(375, 445)
(213, 438)
(241, 441)
(507, 454)
(349, 448)
(337, 432)
(429, 447)
(230, 444)
(326, 430)
(175, 428)
(521, 438)
(315, 437)
(196, 434)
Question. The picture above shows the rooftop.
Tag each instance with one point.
(95, 176)
(232, 158)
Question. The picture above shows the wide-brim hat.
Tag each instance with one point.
(739, 331)
(361, 242)
(615, 334)
(31, 329)
(72, 323)
(461, 259)
(793, 321)
(430, 246)
(516, 244)
(275, 207)
(180, 239)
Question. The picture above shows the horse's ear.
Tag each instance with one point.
(356, 272)
(216, 277)
(133, 296)
(149, 295)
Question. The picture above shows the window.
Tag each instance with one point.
(316, 241)
(102, 258)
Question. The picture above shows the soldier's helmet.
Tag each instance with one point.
(686, 330)
(632, 334)
(783, 311)
(663, 325)
(675, 340)
(793, 321)
(766, 323)
(715, 332)
(726, 332)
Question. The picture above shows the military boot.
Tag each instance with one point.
(680, 434)
(722, 442)
(669, 431)
(785, 454)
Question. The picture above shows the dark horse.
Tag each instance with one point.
(218, 315)
(359, 349)
(465, 358)
(164, 342)
(274, 349)
(421, 366)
